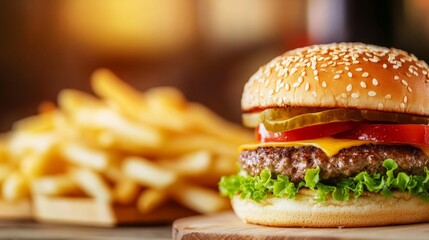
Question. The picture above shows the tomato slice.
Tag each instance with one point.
(389, 133)
(310, 132)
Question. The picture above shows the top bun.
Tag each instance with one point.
(341, 75)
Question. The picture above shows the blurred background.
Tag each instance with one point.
(208, 49)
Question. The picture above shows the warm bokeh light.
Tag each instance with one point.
(129, 27)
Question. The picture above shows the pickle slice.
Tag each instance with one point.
(285, 119)
(252, 120)
(274, 124)
(393, 117)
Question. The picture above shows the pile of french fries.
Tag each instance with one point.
(122, 146)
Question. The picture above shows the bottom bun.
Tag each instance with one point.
(370, 209)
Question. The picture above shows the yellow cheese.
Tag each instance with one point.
(330, 146)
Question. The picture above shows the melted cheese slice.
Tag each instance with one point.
(330, 146)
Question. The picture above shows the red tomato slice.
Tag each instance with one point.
(389, 133)
(310, 132)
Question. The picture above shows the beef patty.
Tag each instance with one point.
(294, 161)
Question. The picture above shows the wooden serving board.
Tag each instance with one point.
(227, 226)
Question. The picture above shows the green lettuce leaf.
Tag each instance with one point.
(259, 187)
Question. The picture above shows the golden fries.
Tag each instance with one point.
(56, 185)
(92, 184)
(14, 187)
(151, 199)
(200, 199)
(122, 147)
(191, 164)
(125, 191)
(86, 157)
(147, 173)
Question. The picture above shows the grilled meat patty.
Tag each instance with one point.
(294, 161)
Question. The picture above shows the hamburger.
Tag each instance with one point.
(342, 139)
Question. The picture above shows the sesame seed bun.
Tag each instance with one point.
(343, 75)
(370, 209)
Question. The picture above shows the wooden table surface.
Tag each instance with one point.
(37, 231)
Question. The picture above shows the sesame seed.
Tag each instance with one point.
(365, 74)
(287, 86)
(363, 84)
(337, 76)
(409, 89)
(347, 68)
(374, 82)
(396, 77)
(405, 83)
(358, 69)
(296, 84)
(303, 73)
(316, 78)
(372, 93)
(324, 65)
(349, 88)
(314, 94)
(307, 86)
(324, 84)
(402, 105)
(384, 65)
(388, 96)
(315, 72)
(395, 66)
(349, 74)
(343, 95)
(380, 106)
(405, 99)
(339, 71)
(355, 95)
(300, 79)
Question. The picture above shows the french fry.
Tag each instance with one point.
(107, 85)
(149, 110)
(56, 185)
(90, 114)
(148, 173)
(22, 143)
(150, 199)
(92, 184)
(199, 199)
(86, 157)
(207, 121)
(125, 191)
(14, 187)
(5, 170)
(34, 165)
(190, 164)
(38, 123)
